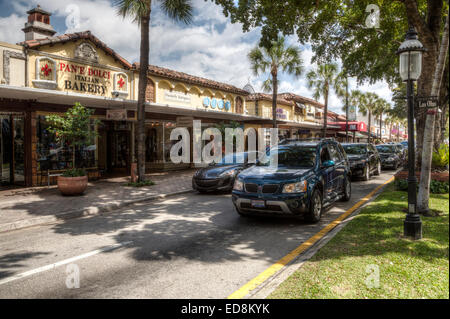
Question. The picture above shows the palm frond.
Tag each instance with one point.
(178, 10)
(267, 85)
(136, 9)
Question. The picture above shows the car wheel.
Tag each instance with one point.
(378, 170)
(347, 190)
(315, 208)
(366, 176)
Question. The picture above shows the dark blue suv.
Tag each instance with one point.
(310, 175)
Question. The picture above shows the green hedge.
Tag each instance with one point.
(436, 187)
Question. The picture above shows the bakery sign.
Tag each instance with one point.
(80, 77)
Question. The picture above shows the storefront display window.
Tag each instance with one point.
(158, 143)
(54, 155)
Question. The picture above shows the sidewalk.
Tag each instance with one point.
(24, 207)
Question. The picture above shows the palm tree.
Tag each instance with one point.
(272, 59)
(139, 10)
(390, 120)
(382, 107)
(321, 81)
(368, 103)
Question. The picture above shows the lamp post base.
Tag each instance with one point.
(412, 227)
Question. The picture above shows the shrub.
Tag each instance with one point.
(140, 184)
(441, 157)
(74, 172)
(436, 187)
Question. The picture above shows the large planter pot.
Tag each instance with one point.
(72, 185)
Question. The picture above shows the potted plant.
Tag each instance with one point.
(73, 128)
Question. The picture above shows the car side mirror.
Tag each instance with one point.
(327, 164)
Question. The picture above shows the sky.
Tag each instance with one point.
(211, 46)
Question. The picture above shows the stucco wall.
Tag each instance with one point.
(12, 64)
(190, 96)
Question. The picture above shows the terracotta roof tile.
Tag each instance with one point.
(87, 35)
(268, 97)
(191, 79)
(301, 99)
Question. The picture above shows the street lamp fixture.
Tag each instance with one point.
(410, 53)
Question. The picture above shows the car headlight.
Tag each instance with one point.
(299, 187)
(238, 185)
(231, 172)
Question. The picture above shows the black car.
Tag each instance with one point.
(364, 159)
(221, 176)
(390, 156)
(305, 177)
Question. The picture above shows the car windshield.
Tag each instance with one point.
(291, 157)
(355, 149)
(235, 158)
(386, 148)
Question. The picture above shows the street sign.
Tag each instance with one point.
(428, 102)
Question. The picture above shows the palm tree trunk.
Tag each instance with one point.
(274, 98)
(398, 132)
(369, 127)
(390, 132)
(427, 146)
(140, 134)
(381, 123)
(325, 118)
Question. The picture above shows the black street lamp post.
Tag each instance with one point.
(410, 52)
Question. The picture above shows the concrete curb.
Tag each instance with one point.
(92, 210)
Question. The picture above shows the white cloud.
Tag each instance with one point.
(11, 28)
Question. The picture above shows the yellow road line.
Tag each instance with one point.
(272, 270)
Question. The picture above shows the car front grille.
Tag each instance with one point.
(265, 189)
(251, 188)
(269, 188)
(206, 182)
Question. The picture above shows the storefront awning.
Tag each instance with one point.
(65, 98)
(200, 112)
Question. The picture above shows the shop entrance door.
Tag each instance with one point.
(119, 156)
(12, 149)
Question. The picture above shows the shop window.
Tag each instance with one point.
(239, 105)
(158, 143)
(54, 155)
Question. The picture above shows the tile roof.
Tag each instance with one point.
(300, 99)
(191, 79)
(268, 97)
(87, 35)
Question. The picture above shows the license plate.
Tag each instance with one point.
(258, 203)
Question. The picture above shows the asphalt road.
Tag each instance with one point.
(187, 246)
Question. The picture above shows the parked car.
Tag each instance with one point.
(390, 156)
(220, 176)
(309, 176)
(402, 150)
(364, 159)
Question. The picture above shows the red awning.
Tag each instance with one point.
(352, 126)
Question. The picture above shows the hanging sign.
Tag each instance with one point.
(352, 113)
(116, 115)
(213, 103)
(206, 102)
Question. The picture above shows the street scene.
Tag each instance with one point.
(224, 150)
